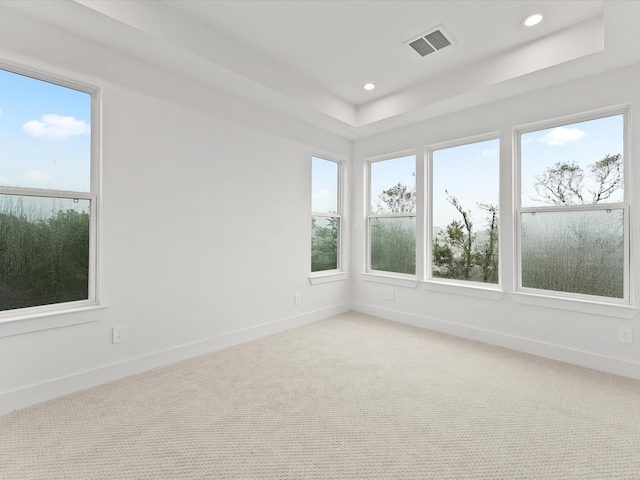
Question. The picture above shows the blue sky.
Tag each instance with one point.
(45, 139)
(470, 173)
(584, 143)
(324, 187)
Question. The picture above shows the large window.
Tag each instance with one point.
(573, 217)
(47, 193)
(325, 216)
(392, 215)
(464, 212)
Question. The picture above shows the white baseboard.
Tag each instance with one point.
(594, 361)
(42, 392)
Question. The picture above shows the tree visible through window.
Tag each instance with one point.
(465, 212)
(46, 198)
(573, 215)
(325, 218)
(392, 215)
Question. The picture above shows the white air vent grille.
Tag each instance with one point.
(432, 41)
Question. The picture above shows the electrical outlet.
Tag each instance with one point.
(296, 299)
(625, 335)
(391, 294)
(119, 334)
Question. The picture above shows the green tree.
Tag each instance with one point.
(324, 243)
(458, 254)
(397, 199)
(43, 261)
(393, 239)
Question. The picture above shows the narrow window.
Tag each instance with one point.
(47, 197)
(325, 216)
(465, 194)
(392, 215)
(573, 215)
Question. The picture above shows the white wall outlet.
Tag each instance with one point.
(119, 334)
(625, 334)
(296, 299)
(391, 295)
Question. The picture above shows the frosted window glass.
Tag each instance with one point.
(393, 244)
(324, 243)
(44, 251)
(574, 251)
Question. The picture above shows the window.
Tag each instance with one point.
(392, 215)
(573, 218)
(464, 218)
(47, 193)
(325, 216)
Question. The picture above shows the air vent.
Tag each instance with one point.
(432, 41)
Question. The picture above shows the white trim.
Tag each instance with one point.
(428, 241)
(340, 192)
(379, 277)
(368, 207)
(48, 390)
(92, 195)
(544, 299)
(470, 289)
(603, 363)
(45, 318)
(328, 277)
(518, 210)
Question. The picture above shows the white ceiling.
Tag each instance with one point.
(310, 58)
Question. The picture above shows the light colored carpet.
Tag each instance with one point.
(351, 397)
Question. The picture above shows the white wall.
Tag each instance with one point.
(205, 226)
(588, 337)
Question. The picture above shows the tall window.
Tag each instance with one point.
(465, 194)
(392, 215)
(573, 216)
(47, 196)
(325, 216)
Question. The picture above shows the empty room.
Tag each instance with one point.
(318, 239)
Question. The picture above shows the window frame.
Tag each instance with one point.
(625, 206)
(370, 272)
(440, 283)
(322, 276)
(8, 317)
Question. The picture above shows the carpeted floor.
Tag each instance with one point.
(351, 397)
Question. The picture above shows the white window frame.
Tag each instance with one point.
(532, 295)
(324, 276)
(444, 284)
(397, 278)
(8, 318)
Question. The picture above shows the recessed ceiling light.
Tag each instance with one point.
(369, 86)
(532, 20)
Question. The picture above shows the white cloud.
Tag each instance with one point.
(34, 177)
(560, 136)
(56, 127)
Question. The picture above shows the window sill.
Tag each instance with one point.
(576, 305)
(470, 290)
(390, 280)
(328, 277)
(38, 319)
